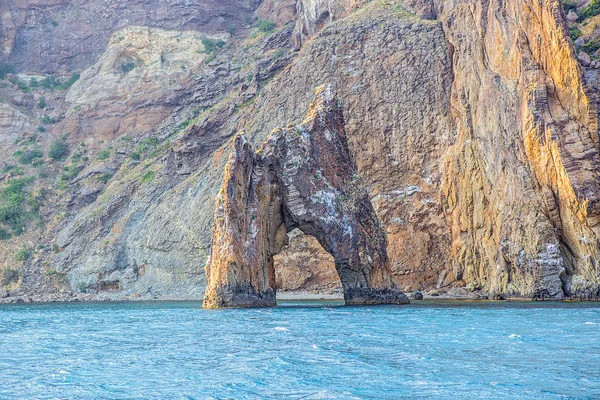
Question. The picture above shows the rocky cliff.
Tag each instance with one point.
(62, 36)
(472, 124)
(302, 177)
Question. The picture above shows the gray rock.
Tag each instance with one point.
(584, 58)
(457, 292)
(416, 295)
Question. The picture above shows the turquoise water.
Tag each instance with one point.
(180, 351)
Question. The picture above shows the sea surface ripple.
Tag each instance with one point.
(177, 350)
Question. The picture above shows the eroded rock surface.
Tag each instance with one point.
(304, 266)
(472, 125)
(137, 82)
(72, 35)
(302, 177)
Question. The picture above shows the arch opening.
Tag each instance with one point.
(305, 271)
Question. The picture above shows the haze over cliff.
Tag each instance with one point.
(473, 125)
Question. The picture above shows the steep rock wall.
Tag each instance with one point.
(397, 121)
(398, 126)
(72, 35)
(522, 181)
(471, 123)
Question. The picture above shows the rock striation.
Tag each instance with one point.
(302, 177)
(473, 126)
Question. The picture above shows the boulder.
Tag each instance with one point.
(416, 295)
(584, 58)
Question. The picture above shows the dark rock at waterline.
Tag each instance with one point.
(416, 295)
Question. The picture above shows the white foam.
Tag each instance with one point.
(514, 336)
(280, 328)
(591, 323)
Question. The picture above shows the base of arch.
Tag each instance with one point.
(244, 296)
(372, 296)
(240, 296)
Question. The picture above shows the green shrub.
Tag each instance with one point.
(51, 83)
(575, 33)
(31, 156)
(6, 69)
(128, 67)
(569, 5)
(59, 149)
(42, 103)
(23, 254)
(13, 212)
(9, 276)
(105, 177)
(4, 234)
(21, 84)
(148, 176)
(134, 155)
(62, 185)
(13, 169)
(69, 82)
(46, 119)
(590, 47)
(82, 287)
(591, 10)
(231, 29)
(146, 144)
(69, 173)
(266, 26)
(103, 155)
(33, 83)
(15, 216)
(209, 45)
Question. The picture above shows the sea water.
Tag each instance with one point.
(426, 350)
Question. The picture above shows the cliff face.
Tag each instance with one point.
(472, 124)
(62, 36)
(521, 180)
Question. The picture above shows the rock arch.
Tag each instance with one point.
(302, 177)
